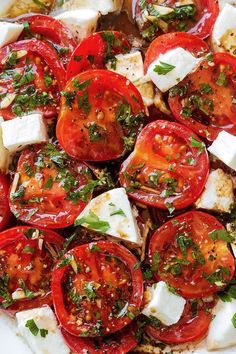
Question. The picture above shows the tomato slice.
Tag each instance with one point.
(4, 204)
(52, 189)
(205, 99)
(96, 50)
(52, 30)
(27, 258)
(189, 253)
(100, 116)
(168, 167)
(197, 18)
(192, 326)
(31, 77)
(96, 289)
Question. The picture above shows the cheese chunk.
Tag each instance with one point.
(9, 32)
(222, 3)
(222, 333)
(114, 208)
(22, 131)
(163, 304)
(102, 6)
(224, 30)
(224, 148)
(44, 318)
(4, 153)
(129, 65)
(218, 194)
(146, 88)
(183, 63)
(82, 22)
(5, 7)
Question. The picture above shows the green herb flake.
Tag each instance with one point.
(163, 68)
(197, 144)
(93, 221)
(118, 212)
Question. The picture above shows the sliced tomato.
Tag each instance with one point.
(96, 289)
(100, 116)
(4, 204)
(189, 253)
(168, 167)
(52, 30)
(205, 99)
(192, 326)
(52, 189)
(96, 50)
(30, 79)
(27, 258)
(197, 18)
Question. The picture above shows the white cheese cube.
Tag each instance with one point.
(114, 208)
(82, 22)
(102, 6)
(218, 194)
(224, 148)
(183, 63)
(4, 153)
(222, 333)
(129, 65)
(222, 3)
(9, 32)
(5, 7)
(44, 318)
(146, 88)
(22, 131)
(163, 304)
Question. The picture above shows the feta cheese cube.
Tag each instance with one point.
(9, 32)
(4, 153)
(44, 318)
(5, 7)
(114, 208)
(222, 333)
(222, 3)
(82, 22)
(218, 194)
(102, 6)
(163, 304)
(183, 63)
(146, 88)
(22, 131)
(224, 148)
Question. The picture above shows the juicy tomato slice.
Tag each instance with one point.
(197, 18)
(4, 204)
(95, 51)
(96, 289)
(205, 99)
(51, 190)
(189, 253)
(100, 116)
(52, 30)
(192, 326)
(120, 342)
(168, 167)
(27, 258)
(162, 44)
(30, 79)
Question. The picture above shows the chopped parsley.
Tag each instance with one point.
(93, 221)
(34, 329)
(163, 68)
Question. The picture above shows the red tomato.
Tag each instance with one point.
(96, 289)
(4, 204)
(205, 99)
(168, 168)
(52, 30)
(100, 116)
(189, 253)
(197, 18)
(52, 190)
(191, 326)
(30, 71)
(96, 50)
(27, 258)
(169, 41)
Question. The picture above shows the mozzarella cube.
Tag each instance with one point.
(44, 318)
(222, 3)
(163, 304)
(4, 153)
(114, 208)
(146, 89)
(222, 333)
(102, 6)
(218, 194)
(82, 22)
(9, 32)
(182, 62)
(224, 148)
(5, 7)
(129, 65)
(22, 131)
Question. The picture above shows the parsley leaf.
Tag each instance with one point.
(93, 222)
(163, 68)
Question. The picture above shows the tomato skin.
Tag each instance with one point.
(191, 282)
(192, 178)
(109, 324)
(4, 203)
